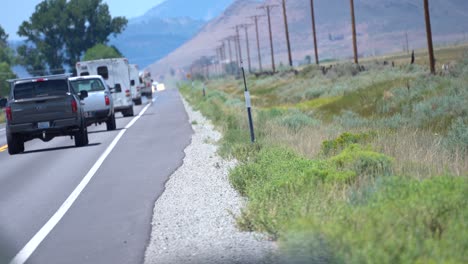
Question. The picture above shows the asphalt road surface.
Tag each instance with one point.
(61, 204)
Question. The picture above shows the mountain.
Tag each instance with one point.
(381, 26)
(149, 40)
(200, 10)
(164, 28)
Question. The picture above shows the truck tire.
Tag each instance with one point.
(128, 112)
(15, 144)
(81, 137)
(110, 123)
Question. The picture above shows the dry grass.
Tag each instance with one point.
(443, 55)
(307, 141)
(420, 154)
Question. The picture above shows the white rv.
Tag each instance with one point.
(147, 89)
(117, 76)
(135, 83)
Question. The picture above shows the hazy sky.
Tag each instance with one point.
(14, 12)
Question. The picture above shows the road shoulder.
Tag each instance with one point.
(193, 219)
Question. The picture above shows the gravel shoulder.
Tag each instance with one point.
(193, 219)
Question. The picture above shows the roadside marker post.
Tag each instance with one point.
(248, 104)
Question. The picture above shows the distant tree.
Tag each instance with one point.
(60, 31)
(101, 51)
(6, 54)
(308, 59)
(3, 37)
(32, 60)
(5, 74)
(6, 60)
(89, 23)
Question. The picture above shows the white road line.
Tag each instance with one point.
(34, 243)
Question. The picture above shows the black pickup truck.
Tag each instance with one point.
(44, 108)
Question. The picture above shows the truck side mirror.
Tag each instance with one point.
(118, 88)
(132, 82)
(3, 102)
(83, 95)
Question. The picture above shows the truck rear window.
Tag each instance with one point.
(90, 85)
(40, 89)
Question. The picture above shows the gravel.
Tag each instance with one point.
(193, 220)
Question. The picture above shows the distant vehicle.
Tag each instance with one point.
(159, 87)
(116, 74)
(44, 108)
(147, 89)
(99, 106)
(135, 83)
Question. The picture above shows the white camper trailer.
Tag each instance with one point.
(117, 76)
(145, 78)
(135, 84)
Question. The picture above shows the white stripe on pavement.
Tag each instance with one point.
(34, 243)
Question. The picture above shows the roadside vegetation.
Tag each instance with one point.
(350, 166)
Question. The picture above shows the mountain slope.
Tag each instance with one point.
(381, 26)
(164, 28)
(201, 10)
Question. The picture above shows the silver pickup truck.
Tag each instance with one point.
(44, 108)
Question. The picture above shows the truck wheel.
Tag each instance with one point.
(15, 144)
(110, 123)
(81, 137)
(128, 112)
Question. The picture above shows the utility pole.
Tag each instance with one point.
(353, 22)
(429, 36)
(219, 53)
(268, 10)
(236, 48)
(314, 31)
(255, 18)
(286, 29)
(230, 49)
(247, 44)
(238, 42)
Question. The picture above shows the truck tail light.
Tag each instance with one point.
(107, 100)
(9, 117)
(128, 93)
(74, 106)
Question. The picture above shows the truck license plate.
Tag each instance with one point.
(42, 125)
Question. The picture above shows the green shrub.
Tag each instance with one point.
(335, 146)
(349, 119)
(363, 161)
(405, 221)
(457, 137)
(295, 120)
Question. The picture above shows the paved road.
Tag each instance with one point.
(110, 220)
